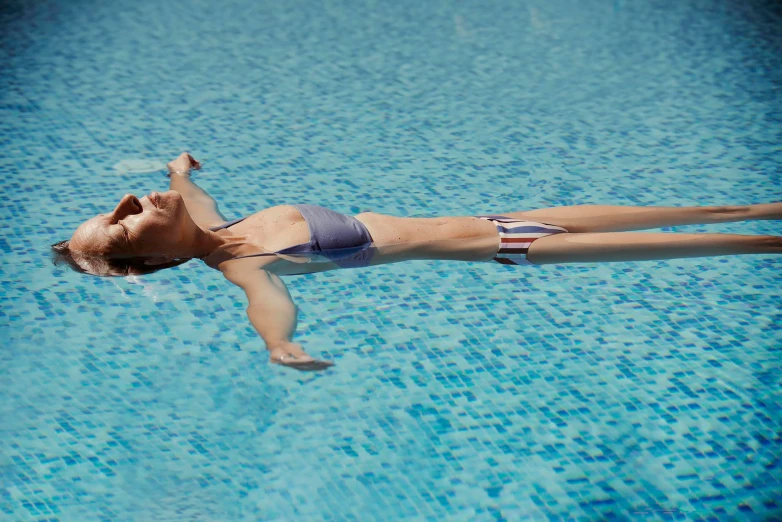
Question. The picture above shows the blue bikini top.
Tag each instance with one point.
(332, 235)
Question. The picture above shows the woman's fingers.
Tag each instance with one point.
(193, 162)
(306, 366)
(293, 356)
(183, 163)
(311, 366)
(301, 362)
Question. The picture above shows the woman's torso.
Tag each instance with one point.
(269, 231)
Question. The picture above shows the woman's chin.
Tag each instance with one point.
(171, 196)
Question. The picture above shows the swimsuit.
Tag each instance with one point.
(340, 238)
(516, 236)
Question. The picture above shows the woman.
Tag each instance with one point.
(166, 229)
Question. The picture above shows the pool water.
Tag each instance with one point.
(461, 391)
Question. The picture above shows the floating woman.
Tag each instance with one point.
(163, 230)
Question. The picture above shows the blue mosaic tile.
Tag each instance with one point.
(461, 392)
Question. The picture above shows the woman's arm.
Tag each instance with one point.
(272, 313)
(200, 205)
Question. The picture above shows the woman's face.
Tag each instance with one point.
(156, 225)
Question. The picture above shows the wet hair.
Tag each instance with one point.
(105, 266)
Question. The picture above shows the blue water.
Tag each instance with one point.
(461, 391)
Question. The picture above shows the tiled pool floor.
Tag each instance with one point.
(628, 391)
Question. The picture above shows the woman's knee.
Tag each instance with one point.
(772, 243)
(729, 210)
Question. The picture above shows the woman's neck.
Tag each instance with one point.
(207, 242)
(222, 246)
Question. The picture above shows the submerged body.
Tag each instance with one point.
(326, 240)
(162, 230)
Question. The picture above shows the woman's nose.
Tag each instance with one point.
(129, 204)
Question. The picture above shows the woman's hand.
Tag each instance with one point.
(291, 355)
(183, 164)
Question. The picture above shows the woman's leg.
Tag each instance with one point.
(604, 218)
(642, 246)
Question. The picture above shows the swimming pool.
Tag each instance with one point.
(461, 392)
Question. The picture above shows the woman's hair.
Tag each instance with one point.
(106, 266)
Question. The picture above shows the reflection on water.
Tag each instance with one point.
(138, 166)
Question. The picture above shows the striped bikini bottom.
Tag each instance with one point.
(516, 236)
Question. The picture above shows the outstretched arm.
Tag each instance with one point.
(200, 205)
(272, 313)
